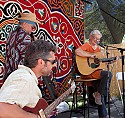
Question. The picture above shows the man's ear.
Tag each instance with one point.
(40, 61)
(23, 24)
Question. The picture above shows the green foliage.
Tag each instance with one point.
(108, 16)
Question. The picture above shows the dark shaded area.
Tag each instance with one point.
(113, 13)
(108, 16)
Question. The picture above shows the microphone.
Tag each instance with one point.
(101, 45)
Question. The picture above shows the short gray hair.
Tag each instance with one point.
(95, 32)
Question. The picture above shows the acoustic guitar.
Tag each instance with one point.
(43, 109)
(87, 66)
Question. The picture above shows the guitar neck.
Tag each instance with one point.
(111, 59)
(107, 59)
(54, 104)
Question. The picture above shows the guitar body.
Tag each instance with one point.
(44, 110)
(42, 104)
(87, 66)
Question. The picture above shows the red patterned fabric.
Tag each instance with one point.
(62, 24)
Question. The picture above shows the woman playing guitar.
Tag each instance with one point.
(89, 51)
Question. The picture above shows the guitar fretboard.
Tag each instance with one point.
(54, 104)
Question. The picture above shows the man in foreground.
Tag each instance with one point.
(21, 87)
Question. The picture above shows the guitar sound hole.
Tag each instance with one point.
(96, 61)
(93, 65)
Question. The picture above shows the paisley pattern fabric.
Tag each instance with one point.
(16, 45)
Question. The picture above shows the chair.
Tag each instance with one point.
(119, 77)
(85, 92)
(80, 78)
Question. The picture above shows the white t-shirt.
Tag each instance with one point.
(21, 88)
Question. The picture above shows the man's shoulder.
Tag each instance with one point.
(22, 71)
(19, 30)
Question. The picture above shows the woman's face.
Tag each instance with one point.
(95, 39)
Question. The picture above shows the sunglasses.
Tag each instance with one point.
(51, 61)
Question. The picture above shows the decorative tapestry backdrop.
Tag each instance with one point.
(62, 24)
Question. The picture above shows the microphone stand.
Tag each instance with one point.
(122, 57)
(107, 86)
